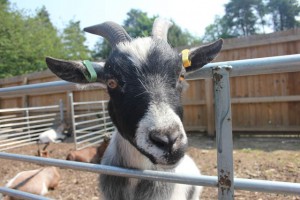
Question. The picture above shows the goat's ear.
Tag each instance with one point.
(75, 71)
(202, 55)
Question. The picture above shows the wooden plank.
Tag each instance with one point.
(267, 99)
(195, 128)
(268, 129)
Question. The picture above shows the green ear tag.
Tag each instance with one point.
(92, 75)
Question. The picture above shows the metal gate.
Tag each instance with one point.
(90, 122)
(22, 126)
(224, 181)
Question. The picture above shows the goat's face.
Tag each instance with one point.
(144, 80)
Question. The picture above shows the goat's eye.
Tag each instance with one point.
(181, 77)
(111, 83)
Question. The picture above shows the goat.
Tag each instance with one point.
(43, 153)
(35, 181)
(89, 154)
(144, 79)
(53, 135)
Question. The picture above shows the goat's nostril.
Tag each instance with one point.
(163, 140)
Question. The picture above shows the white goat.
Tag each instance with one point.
(53, 135)
(35, 181)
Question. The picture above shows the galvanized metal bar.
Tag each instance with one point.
(266, 65)
(88, 102)
(92, 138)
(61, 110)
(209, 181)
(88, 114)
(30, 117)
(97, 132)
(91, 144)
(21, 194)
(29, 108)
(27, 121)
(223, 132)
(18, 145)
(33, 133)
(104, 116)
(89, 128)
(117, 171)
(37, 88)
(71, 103)
(90, 121)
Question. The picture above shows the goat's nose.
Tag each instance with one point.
(164, 140)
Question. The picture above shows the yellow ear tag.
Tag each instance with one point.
(185, 58)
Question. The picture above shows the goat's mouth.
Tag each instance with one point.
(166, 158)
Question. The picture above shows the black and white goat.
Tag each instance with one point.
(144, 80)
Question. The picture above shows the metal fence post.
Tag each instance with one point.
(104, 116)
(61, 110)
(71, 100)
(223, 132)
(28, 121)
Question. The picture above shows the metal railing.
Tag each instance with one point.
(220, 72)
(22, 126)
(90, 122)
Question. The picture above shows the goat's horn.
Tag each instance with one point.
(112, 31)
(160, 28)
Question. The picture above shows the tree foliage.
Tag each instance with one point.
(25, 41)
(73, 41)
(284, 14)
(250, 17)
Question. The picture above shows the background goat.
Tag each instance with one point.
(54, 134)
(35, 181)
(89, 154)
(144, 79)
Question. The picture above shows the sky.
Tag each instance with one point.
(190, 15)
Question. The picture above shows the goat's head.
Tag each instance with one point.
(144, 80)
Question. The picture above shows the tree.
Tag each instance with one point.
(218, 29)
(284, 13)
(101, 50)
(25, 41)
(73, 40)
(242, 16)
(138, 24)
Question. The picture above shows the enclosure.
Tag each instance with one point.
(217, 83)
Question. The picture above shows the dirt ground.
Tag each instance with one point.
(254, 158)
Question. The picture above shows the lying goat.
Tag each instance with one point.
(53, 135)
(144, 79)
(89, 154)
(35, 181)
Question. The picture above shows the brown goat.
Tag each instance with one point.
(35, 181)
(89, 154)
(43, 153)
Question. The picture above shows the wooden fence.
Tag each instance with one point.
(261, 103)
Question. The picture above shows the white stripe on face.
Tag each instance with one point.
(137, 49)
(158, 117)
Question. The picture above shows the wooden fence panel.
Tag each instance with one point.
(259, 103)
